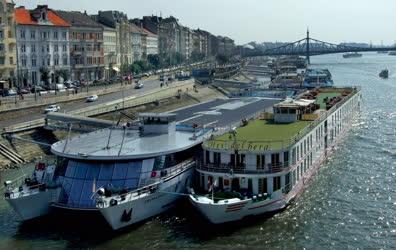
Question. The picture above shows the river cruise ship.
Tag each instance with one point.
(265, 164)
(314, 78)
(126, 173)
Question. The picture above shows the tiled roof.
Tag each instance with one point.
(149, 32)
(76, 18)
(23, 16)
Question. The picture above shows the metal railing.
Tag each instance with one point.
(244, 168)
(145, 187)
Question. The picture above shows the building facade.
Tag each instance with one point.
(186, 42)
(8, 56)
(110, 52)
(86, 46)
(119, 21)
(43, 46)
(137, 48)
(168, 36)
(152, 43)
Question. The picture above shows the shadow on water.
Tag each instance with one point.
(78, 230)
(185, 222)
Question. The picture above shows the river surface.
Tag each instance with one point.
(350, 204)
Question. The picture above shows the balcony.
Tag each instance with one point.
(241, 168)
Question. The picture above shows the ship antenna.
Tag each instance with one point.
(68, 136)
(122, 142)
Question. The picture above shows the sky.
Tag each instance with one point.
(261, 20)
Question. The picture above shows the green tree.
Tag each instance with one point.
(154, 60)
(62, 73)
(44, 75)
(222, 59)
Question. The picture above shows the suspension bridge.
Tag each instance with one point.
(311, 47)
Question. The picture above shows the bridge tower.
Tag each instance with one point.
(307, 52)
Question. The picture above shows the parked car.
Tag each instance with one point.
(92, 98)
(23, 91)
(10, 92)
(139, 85)
(37, 89)
(52, 108)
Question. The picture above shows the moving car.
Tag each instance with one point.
(52, 108)
(92, 98)
(139, 85)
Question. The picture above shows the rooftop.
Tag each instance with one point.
(320, 99)
(76, 18)
(259, 135)
(92, 146)
(25, 17)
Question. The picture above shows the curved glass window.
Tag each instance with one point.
(81, 178)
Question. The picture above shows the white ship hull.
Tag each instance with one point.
(32, 205)
(147, 205)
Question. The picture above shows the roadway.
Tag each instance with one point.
(29, 114)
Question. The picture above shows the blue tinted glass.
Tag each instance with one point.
(87, 193)
(134, 169)
(106, 171)
(81, 170)
(120, 170)
(70, 169)
(93, 172)
(132, 183)
(118, 183)
(75, 192)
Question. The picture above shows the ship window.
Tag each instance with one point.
(81, 170)
(287, 183)
(262, 185)
(276, 183)
(106, 171)
(292, 111)
(120, 170)
(286, 158)
(93, 172)
(260, 161)
(71, 169)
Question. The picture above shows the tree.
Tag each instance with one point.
(222, 59)
(62, 73)
(154, 60)
(197, 56)
(44, 75)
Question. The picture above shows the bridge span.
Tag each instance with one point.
(311, 47)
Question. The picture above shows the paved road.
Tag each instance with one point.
(36, 113)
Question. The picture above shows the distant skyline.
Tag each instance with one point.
(257, 20)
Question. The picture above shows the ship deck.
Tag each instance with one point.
(260, 135)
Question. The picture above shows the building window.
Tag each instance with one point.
(55, 35)
(34, 78)
(1, 34)
(49, 61)
(22, 34)
(1, 47)
(33, 48)
(33, 34)
(56, 48)
(65, 61)
(64, 35)
(11, 60)
(56, 61)
(23, 48)
(23, 62)
(2, 60)
(48, 48)
(34, 62)
(64, 48)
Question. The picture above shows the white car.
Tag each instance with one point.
(52, 108)
(139, 85)
(92, 98)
